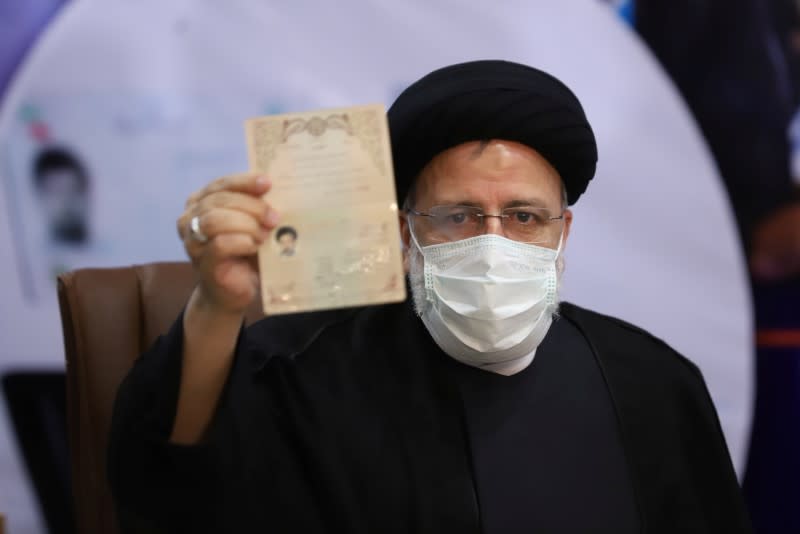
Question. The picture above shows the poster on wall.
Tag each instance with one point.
(81, 170)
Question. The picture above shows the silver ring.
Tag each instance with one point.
(195, 232)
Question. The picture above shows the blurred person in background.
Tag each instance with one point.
(737, 64)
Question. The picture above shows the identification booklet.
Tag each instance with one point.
(338, 240)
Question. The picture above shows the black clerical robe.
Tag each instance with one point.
(354, 421)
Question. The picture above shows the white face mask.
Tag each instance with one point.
(488, 301)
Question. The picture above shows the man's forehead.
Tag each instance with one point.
(467, 169)
(497, 154)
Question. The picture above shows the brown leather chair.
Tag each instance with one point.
(109, 316)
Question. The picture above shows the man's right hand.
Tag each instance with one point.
(236, 220)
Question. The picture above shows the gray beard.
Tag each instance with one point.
(416, 279)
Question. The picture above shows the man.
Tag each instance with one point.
(474, 408)
(737, 64)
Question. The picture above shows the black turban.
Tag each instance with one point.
(490, 99)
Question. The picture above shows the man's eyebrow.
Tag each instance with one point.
(533, 202)
(470, 203)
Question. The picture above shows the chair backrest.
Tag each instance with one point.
(109, 317)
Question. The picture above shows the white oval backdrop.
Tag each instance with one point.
(153, 94)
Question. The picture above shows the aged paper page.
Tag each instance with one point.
(338, 241)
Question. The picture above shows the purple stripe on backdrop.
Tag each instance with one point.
(21, 21)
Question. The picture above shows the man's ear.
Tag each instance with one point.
(567, 226)
(405, 236)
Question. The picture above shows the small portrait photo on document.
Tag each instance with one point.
(286, 238)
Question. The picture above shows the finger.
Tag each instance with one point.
(182, 225)
(200, 251)
(228, 246)
(254, 206)
(248, 183)
(230, 221)
(221, 248)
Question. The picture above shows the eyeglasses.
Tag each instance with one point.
(528, 224)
